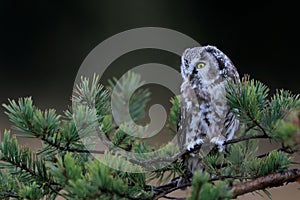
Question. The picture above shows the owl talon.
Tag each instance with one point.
(193, 144)
(182, 180)
(219, 141)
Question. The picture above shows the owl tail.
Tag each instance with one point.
(192, 163)
(185, 179)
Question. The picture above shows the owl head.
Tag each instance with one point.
(204, 64)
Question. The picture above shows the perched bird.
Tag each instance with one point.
(205, 116)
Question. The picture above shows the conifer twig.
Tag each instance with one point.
(69, 149)
(244, 138)
(256, 123)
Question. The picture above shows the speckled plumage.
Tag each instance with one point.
(204, 114)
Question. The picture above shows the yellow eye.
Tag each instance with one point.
(200, 65)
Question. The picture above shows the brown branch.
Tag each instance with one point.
(260, 183)
(9, 194)
(244, 138)
(248, 129)
(285, 150)
(167, 159)
(256, 123)
(146, 163)
(271, 180)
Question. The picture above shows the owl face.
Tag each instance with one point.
(200, 64)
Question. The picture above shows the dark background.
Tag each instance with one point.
(43, 43)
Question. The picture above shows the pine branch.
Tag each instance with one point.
(185, 151)
(27, 164)
(70, 149)
(246, 138)
(145, 163)
(259, 116)
(272, 180)
(260, 183)
(9, 194)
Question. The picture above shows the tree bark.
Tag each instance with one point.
(272, 180)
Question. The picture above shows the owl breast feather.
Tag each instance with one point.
(203, 113)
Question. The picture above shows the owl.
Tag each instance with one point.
(205, 117)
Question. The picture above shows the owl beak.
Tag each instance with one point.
(189, 77)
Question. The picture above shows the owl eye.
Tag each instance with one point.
(200, 65)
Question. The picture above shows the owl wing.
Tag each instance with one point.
(190, 129)
(231, 124)
(184, 118)
(181, 135)
(179, 116)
